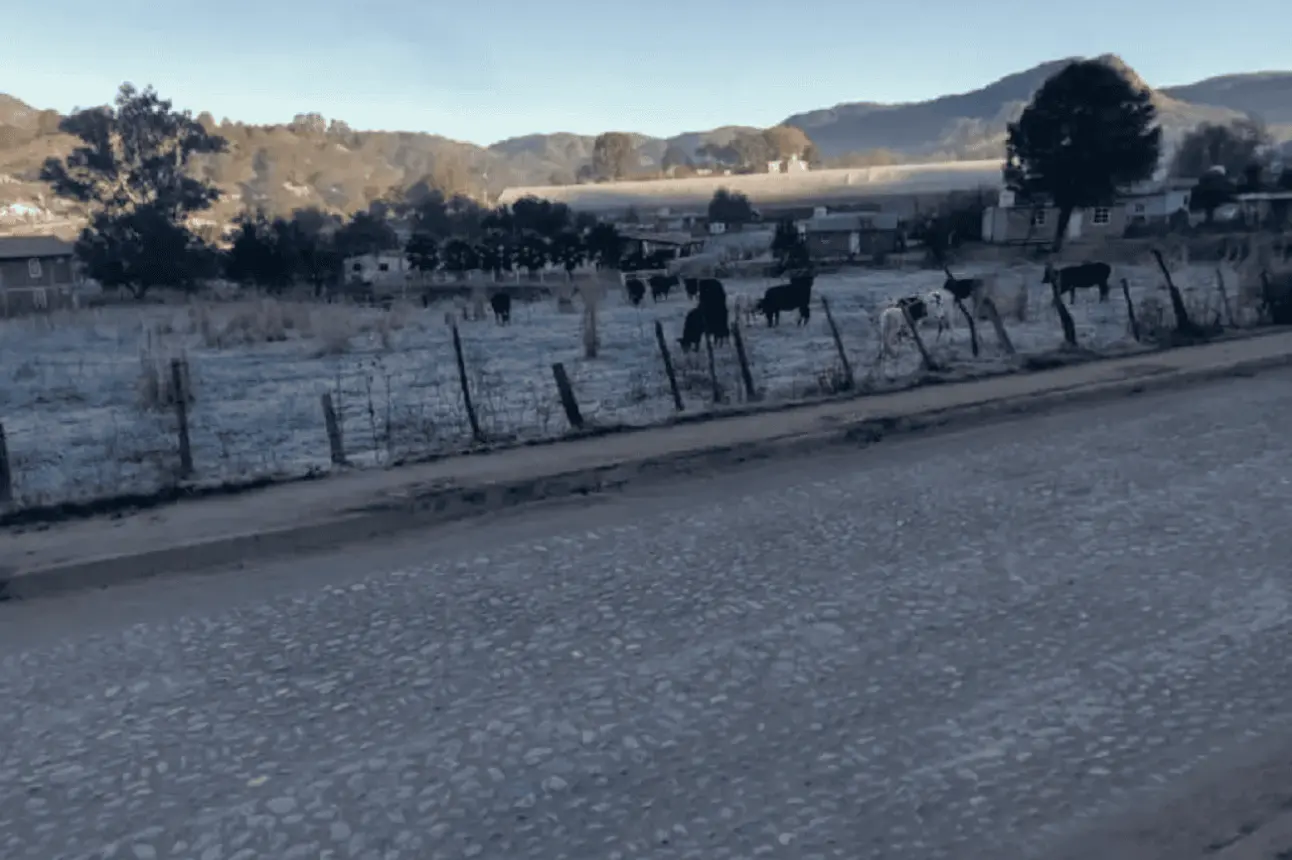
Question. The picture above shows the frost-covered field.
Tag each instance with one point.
(78, 391)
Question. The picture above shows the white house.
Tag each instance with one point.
(388, 270)
(793, 164)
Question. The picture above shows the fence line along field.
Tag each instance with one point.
(88, 398)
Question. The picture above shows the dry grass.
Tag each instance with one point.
(229, 325)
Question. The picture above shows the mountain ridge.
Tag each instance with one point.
(310, 162)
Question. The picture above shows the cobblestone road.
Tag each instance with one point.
(960, 646)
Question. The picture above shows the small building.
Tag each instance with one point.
(650, 243)
(385, 272)
(1035, 225)
(1147, 207)
(849, 235)
(37, 273)
(1158, 208)
(1265, 208)
(793, 164)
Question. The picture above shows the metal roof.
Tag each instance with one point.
(845, 222)
(818, 186)
(40, 247)
(660, 237)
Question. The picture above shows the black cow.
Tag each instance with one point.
(796, 295)
(692, 286)
(713, 307)
(1079, 277)
(661, 284)
(961, 289)
(636, 291)
(692, 330)
(501, 304)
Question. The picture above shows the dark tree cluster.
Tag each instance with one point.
(529, 235)
(455, 236)
(135, 170)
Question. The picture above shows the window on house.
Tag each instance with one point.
(1139, 208)
(1101, 215)
(383, 267)
(357, 267)
(33, 269)
(1038, 217)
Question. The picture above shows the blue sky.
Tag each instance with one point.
(484, 70)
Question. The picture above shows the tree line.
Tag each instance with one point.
(132, 170)
(455, 236)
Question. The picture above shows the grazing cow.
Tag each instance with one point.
(1080, 277)
(796, 295)
(501, 304)
(692, 330)
(636, 290)
(923, 310)
(711, 291)
(962, 289)
(713, 309)
(660, 285)
(692, 286)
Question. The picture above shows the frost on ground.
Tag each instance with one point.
(85, 396)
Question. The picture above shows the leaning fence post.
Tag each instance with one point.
(849, 379)
(6, 472)
(1130, 309)
(333, 426)
(179, 390)
(668, 365)
(566, 392)
(929, 364)
(751, 393)
(993, 314)
(466, 387)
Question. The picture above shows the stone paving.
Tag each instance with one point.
(969, 645)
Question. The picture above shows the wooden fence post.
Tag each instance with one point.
(334, 440)
(751, 393)
(1183, 323)
(1065, 318)
(6, 471)
(179, 390)
(993, 314)
(466, 387)
(713, 370)
(849, 379)
(566, 391)
(929, 365)
(1224, 297)
(1130, 309)
(973, 327)
(668, 365)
